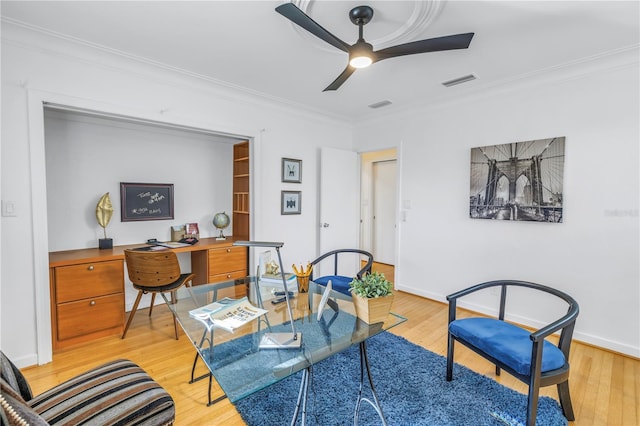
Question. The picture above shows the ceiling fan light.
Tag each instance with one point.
(361, 54)
(360, 61)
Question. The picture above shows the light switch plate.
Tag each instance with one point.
(8, 208)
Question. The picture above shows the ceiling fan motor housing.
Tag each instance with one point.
(361, 15)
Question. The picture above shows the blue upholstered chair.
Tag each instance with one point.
(341, 282)
(524, 354)
(116, 393)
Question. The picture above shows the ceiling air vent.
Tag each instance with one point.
(459, 80)
(380, 104)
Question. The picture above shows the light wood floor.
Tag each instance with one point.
(605, 386)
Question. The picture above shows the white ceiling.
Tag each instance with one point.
(247, 44)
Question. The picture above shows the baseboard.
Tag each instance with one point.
(420, 292)
(30, 360)
(608, 345)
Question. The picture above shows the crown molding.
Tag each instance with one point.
(34, 38)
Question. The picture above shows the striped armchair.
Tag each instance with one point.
(116, 393)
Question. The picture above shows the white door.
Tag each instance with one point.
(339, 200)
(384, 211)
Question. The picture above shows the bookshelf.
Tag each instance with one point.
(241, 175)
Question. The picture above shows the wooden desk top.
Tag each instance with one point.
(74, 257)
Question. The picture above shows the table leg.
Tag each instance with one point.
(302, 397)
(364, 367)
(193, 380)
(204, 339)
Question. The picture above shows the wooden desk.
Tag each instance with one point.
(87, 285)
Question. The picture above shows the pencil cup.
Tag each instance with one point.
(303, 283)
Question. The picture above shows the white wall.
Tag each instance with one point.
(593, 255)
(37, 68)
(88, 156)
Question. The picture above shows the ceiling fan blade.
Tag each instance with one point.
(341, 78)
(298, 17)
(438, 44)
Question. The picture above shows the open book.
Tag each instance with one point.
(227, 313)
(236, 315)
(205, 312)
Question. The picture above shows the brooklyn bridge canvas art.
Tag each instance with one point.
(520, 181)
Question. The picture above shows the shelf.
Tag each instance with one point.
(241, 174)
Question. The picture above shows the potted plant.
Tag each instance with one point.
(372, 297)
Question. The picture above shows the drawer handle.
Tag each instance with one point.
(90, 267)
(228, 250)
(228, 275)
(92, 303)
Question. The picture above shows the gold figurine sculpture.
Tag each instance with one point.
(104, 211)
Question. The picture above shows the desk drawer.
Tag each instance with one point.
(88, 280)
(227, 276)
(90, 315)
(227, 260)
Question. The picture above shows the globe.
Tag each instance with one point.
(221, 221)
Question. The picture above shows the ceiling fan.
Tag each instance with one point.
(361, 53)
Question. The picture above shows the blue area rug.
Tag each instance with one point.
(411, 386)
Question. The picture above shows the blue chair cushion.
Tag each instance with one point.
(506, 342)
(338, 282)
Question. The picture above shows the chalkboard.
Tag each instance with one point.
(146, 201)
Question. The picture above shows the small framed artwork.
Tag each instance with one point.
(146, 201)
(291, 202)
(291, 170)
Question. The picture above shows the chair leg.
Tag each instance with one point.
(532, 403)
(450, 343)
(153, 299)
(132, 313)
(565, 400)
(175, 322)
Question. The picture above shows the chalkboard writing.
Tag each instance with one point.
(146, 201)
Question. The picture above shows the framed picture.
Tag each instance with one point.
(291, 170)
(146, 201)
(521, 181)
(291, 202)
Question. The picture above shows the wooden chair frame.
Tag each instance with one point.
(535, 379)
(154, 272)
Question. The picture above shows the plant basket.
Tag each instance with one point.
(373, 310)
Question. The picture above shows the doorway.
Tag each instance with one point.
(383, 185)
(378, 206)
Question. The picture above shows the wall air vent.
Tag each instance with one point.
(380, 104)
(459, 80)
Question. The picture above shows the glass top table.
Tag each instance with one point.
(236, 359)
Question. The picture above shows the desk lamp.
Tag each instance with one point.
(277, 340)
